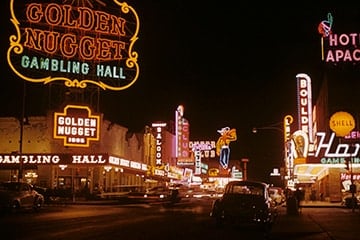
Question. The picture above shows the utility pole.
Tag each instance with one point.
(245, 161)
(352, 185)
(22, 117)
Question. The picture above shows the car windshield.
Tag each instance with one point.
(11, 186)
(246, 189)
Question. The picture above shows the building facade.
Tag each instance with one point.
(30, 153)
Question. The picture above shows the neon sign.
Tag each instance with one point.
(46, 159)
(305, 104)
(325, 26)
(338, 47)
(336, 153)
(300, 144)
(76, 126)
(159, 138)
(9, 161)
(182, 134)
(342, 150)
(223, 145)
(207, 148)
(79, 44)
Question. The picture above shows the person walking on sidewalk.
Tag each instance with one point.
(299, 195)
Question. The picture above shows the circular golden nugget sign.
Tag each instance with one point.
(342, 123)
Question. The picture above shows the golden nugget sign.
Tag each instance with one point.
(76, 126)
(86, 42)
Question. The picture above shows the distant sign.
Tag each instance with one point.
(76, 126)
(342, 123)
(79, 43)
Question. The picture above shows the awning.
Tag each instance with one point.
(309, 173)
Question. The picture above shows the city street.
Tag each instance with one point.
(187, 220)
(318, 223)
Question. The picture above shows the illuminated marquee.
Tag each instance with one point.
(79, 44)
(76, 126)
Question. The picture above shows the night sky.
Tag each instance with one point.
(228, 65)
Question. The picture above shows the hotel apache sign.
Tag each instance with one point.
(335, 48)
(76, 126)
(77, 42)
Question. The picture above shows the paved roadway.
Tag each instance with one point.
(322, 221)
(316, 221)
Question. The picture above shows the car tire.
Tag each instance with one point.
(219, 221)
(38, 205)
(14, 207)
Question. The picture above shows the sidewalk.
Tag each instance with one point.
(299, 226)
(320, 204)
(305, 225)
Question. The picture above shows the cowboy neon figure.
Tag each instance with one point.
(222, 145)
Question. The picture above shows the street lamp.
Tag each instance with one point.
(288, 119)
(255, 129)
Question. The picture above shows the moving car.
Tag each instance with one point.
(19, 195)
(246, 203)
(158, 194)
(122, 193)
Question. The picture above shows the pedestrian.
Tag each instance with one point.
(299, 195)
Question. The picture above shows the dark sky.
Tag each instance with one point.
(229, 65)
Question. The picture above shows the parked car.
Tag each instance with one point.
(246, 203)
(50, 195)
(19, 195)
(277, 194)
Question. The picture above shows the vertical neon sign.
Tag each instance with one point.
(158, 137)
(182, 133)
(304, 99)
